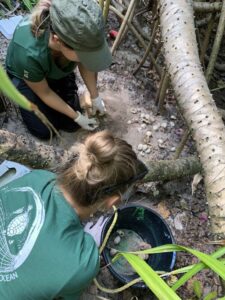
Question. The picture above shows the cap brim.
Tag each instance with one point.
(96, 61)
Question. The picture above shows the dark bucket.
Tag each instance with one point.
(146, 225)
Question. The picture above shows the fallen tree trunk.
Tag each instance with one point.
(205, 7)
(37, 155)
(196, 102)
(29, 152)
(165, 170)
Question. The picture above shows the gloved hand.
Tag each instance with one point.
(95, 230)
(98, 105)
(85, 122)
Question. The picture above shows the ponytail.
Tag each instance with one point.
(40, 21)
(102, 161)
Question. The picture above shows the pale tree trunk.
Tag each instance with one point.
(196, 102)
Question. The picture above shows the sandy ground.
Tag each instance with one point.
(132, 115)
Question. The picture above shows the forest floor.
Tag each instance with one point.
(132, 115)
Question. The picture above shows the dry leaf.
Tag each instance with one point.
(197, 178)
(163, 210)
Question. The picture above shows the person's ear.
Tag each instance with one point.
(112, 200)
(56, 40)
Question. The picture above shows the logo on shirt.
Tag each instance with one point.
(26, 74)
(19, 228)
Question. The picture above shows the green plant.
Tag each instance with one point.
(8, 3)
(8, 89)
(197, 288)
(29, 4)
(158, 286)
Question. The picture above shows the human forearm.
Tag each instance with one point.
(54, 101)
(90, 80)
(50, 98)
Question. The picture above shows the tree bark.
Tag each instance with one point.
(37, 155)
(196, 102)
(29, 152)
(205, 7)
(166, 170)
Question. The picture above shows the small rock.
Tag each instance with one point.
(143, 126)
(164, 125)
(142, 154)
(147, 151)
(121, 233)
(149, 133)
(117, 240)
(172, 117)
(135, 120)
(155, 127)
(143, 256)
(173, 149)
(172, 124)
(145, 118)
(160, 141)
(155, 193)
(129, 122)
(140, 147)
(113, 252)
(178, 221)
(151, 119)
(145, 147)
(133, 110)
(183, 204)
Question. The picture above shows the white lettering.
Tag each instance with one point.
(8, 277)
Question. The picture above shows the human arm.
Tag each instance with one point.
(90, 80)
(85, 266)
(51, 99)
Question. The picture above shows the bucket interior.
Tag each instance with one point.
(138, 224)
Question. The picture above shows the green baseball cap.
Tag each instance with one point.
(80, 25)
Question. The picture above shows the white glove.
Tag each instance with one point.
(95, 230)
(98, 105)
(85, 122)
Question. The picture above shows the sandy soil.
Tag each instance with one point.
(132, 115)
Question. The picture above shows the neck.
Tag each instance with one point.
(82, 211)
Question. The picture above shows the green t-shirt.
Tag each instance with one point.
(30, 58)
(44, 251)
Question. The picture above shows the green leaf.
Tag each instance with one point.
(150, 277)
(197, 268)
(7, 88)
(8, 3)
(208, 260)
(211, 296)
(28, 4)
(197, 287)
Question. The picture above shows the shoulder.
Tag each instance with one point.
(34, 179)
(28, 54)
